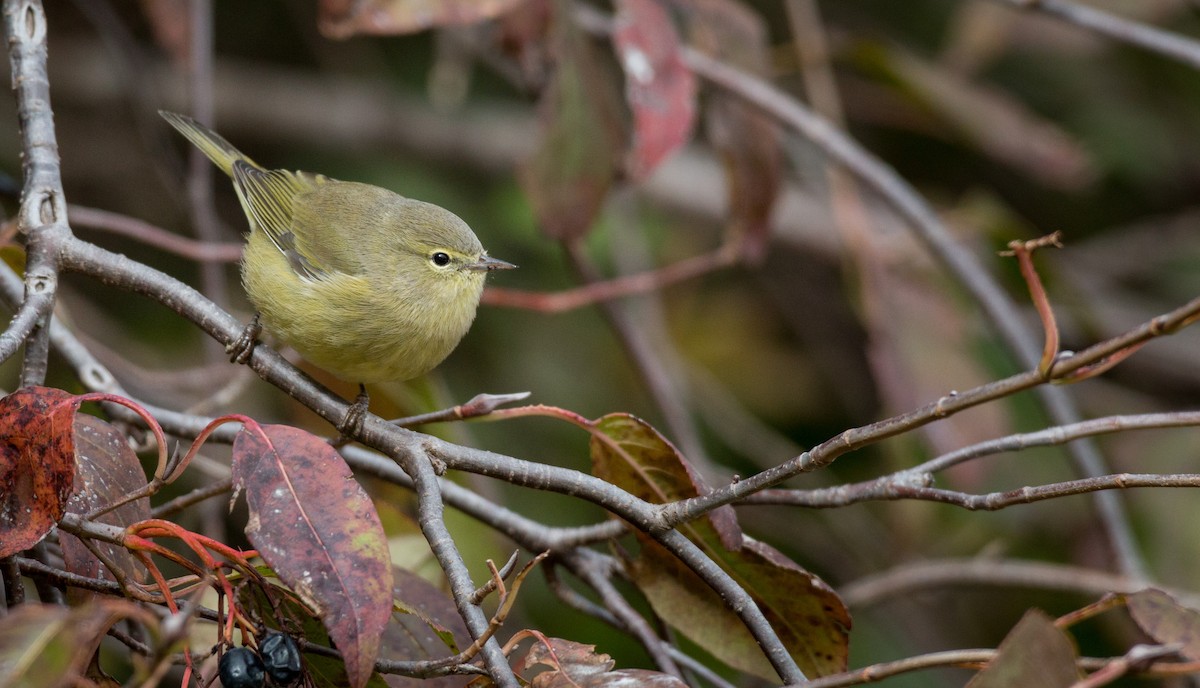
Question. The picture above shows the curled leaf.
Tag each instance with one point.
(570, 664)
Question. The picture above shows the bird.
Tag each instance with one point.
(364, 283)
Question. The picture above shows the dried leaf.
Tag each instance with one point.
(319, 531)
(576, 665)
(659, 87)
(569, 176)
(1035, 654)
(809, 617)
(37, 464)
(345, 18)
(1165, 620)
(106, 470)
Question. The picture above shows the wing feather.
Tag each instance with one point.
(269, 197)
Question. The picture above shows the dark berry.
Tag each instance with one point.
(281, 657)
(241, 668)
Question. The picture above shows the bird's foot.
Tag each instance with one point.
(239, 350)
(352, 424)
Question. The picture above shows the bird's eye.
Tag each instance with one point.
(440, 259)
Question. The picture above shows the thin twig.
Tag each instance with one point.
(922, 474)
(855, 438)
(151, 235)
(1155, 40)
(992, 501)
(588, 566)
(615, 288)
(921, 218)
(939, 574)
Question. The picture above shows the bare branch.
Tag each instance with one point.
(922, 475)
(938, 574)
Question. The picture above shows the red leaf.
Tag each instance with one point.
(319, 531)
(660, 89)
(106, 470)
(344, 18)
(569, 176)
(37, 464)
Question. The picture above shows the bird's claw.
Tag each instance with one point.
(240, 349)
(352, 424)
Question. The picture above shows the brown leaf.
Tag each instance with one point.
(568, 178)
(576, 665)
(633, 455)
(319, 531)
(809, 617)
(1165, 620)
(747, 140)
(106, 470)
(345, 18)
(37, 464)
(660, 89)
(1035, 654)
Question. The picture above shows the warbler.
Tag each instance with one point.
(362, 282)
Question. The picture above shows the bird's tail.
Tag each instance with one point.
(220, 151)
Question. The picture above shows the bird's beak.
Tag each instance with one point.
(488, 263)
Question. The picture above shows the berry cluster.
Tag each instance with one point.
(278, 658)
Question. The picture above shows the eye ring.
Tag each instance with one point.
(440, 259)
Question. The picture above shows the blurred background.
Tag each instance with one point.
(1012, 124)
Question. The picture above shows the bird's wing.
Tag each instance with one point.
(268, 197)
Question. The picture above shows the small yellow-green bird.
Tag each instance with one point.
(363, 282)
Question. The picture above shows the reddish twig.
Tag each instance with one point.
(152, 235)
(1023, 250)
(618, 287)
